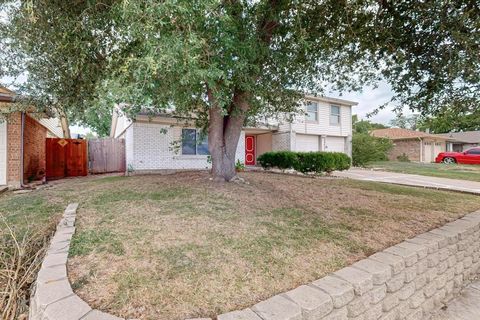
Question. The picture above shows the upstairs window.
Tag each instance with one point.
(193, 143)
(312, 112)
(334, 115)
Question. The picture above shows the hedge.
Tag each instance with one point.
(305, 162)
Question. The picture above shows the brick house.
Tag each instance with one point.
(163, 142)
(22, 143)
(416, 145)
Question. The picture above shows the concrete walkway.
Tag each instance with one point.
(411, 180)
(464, 307)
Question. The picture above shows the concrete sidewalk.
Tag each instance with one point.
(411, 180)
(464, 307)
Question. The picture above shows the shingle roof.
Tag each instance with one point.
(467, 136)
(399, 133)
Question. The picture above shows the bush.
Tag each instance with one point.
(403, 158)
(366, 148)
(305, 162)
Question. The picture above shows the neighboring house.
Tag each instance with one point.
(416, 145)
(461, 141)
(155, 143)
(22, 142)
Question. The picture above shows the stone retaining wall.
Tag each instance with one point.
(410, 280)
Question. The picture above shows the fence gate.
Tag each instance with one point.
(106, 155)
(66, 158)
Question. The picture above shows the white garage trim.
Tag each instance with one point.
(307, 142)
(3, 153)
(335, 144)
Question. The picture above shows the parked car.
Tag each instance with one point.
(470, 156)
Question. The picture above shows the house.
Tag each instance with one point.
(416, 145)
(22, 142)
(156, 143)
(461, 141)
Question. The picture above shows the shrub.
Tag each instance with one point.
(305, 162)
(366, 148)
(403, 158)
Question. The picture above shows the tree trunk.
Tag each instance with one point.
(223, 135)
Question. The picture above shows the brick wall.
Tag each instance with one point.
(34, 150)
(153, 146)
(410, 280)
(410, 147)
(14, 132)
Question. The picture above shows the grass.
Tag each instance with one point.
(181, 246)
(441, 170)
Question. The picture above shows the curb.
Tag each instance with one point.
(410, 280)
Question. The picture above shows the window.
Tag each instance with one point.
(312, 111)
(334, 115)
(194, 143)
(474, 151)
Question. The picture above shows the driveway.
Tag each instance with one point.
(411, 180)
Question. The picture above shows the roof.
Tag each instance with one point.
(6, 95)
(331, 100)
(466, 137)
(402, 134)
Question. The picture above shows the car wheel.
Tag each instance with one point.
(449, 160)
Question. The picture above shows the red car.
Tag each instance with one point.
(471, 156)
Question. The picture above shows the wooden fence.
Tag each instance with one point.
(106, 155)
(66, 158)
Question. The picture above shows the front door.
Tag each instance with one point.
(250, 150)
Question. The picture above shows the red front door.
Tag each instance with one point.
(250, 150)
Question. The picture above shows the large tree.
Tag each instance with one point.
(225, 62)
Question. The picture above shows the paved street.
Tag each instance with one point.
(464, 307)
(411, 180)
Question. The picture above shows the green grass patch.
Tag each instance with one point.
(88, 241)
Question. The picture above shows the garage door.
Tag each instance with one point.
(306, 142)
(3, 153)
(428, 152)
(335, 144)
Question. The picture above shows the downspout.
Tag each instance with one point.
(22, 166)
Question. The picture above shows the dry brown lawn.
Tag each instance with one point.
(179, 246)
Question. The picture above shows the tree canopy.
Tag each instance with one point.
(228, 61)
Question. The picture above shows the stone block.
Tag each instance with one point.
(417, 299)
(374, 312)
(452, 261)
(378, 293)
(443, 254)
(421, 250)
(416, 315)
(47, 293)
(410, 274)
(395, 262)
(442, 267)
(77, 308)
(420, 281)
(98, 315)
(458, 281)
(361, 281)
(390, 302)
(431, 274)
(55, 259)
(313, 302)
(391, 315)
(441, 240)
(431, 244)
(406, 292)
(396, 283)
(358, 305)
(467, 262)
(338, 314)
(246, 314)
(428, 306)
(51, 274)
(450, 235)
(422, 266)
(409, 256)
(430, 289)
(441, 281)
(433, 259)
(380, 272)
(340, 290)
(439, 298)
(460, 256)
(278, 308)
